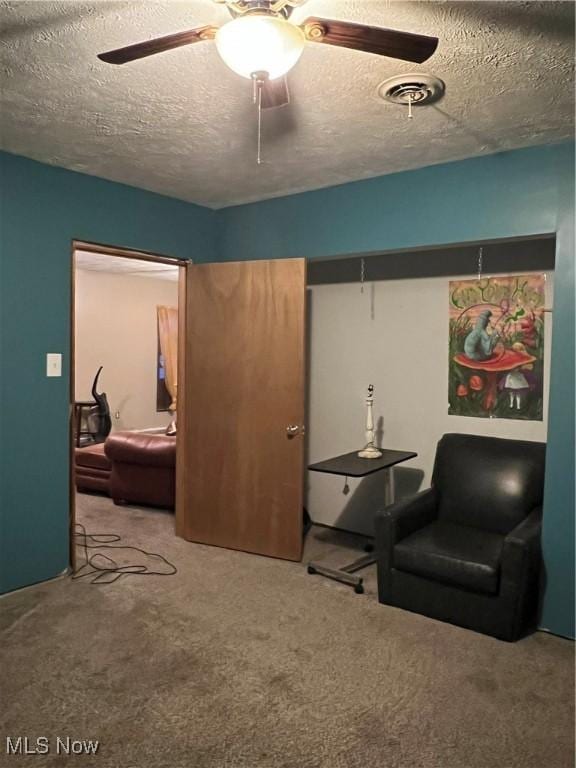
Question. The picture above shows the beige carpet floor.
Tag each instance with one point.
(241, 661)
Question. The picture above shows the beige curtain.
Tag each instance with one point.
(168, 333)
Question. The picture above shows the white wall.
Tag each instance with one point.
(116, 327)
(395, 336)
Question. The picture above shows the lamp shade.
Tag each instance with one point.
(255, 43)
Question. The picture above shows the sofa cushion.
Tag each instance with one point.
(92, 468)
(454, 554)
(141, 448)
(92, 456)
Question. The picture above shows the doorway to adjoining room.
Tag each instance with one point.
(124, 399)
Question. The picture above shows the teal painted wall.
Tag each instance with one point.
(559, 501)
(42, 209)
(513, 194)
(506, 195)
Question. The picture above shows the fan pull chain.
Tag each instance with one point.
(480, 259)
(362, 274)
(259, 153)
(258, 80)
(410, 100)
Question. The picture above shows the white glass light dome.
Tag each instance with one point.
(250, 44)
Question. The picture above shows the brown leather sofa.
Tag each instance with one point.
(143, 468)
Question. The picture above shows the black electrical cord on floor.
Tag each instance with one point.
(105, 570)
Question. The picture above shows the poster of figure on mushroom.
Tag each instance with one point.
(496, 347)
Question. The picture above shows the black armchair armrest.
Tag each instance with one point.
(520, 569)
(521, 548)
(400, 520)
(526, 533)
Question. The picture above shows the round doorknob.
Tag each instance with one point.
(292, 429)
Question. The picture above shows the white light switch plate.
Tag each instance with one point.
(53, 364)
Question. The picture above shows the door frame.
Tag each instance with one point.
(125, 253)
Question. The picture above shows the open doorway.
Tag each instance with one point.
(126, 357)
(238, 478)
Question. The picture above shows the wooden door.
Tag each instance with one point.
(240, 475)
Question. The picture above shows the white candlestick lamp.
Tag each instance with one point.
(370, 451)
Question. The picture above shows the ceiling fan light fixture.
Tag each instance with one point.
(260, 43)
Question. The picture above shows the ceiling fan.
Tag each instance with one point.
(262, 44)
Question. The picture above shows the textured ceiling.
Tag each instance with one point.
(182, 124)
(98, 262)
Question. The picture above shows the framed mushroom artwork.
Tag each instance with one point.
(496, 347)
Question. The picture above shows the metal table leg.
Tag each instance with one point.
(345, 575)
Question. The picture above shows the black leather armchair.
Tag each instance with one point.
(467, 550)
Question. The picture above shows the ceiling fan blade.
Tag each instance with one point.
(275, 93)
(384, 42)
(158, 45)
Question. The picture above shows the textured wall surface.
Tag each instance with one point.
(182, 124)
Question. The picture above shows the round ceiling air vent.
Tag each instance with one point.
(416, 88)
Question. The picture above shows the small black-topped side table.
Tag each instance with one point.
(80, 408)
(351, 465)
